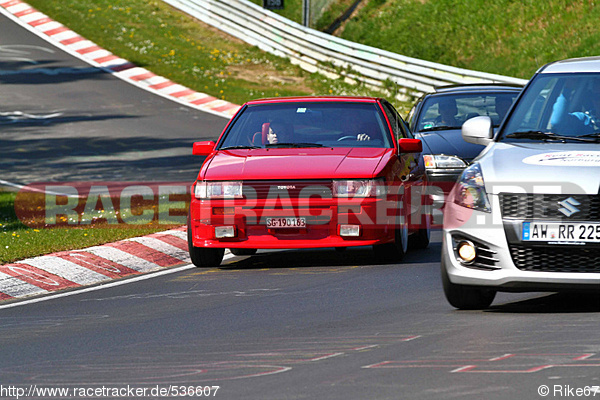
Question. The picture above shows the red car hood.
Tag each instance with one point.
(304, 163)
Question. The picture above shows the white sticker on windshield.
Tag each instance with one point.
(301, 110)
(566, 159)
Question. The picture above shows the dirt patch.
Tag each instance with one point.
(266, 75)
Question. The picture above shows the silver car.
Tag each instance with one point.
(525, 216)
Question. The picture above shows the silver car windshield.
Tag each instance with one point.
(557, 107)
(311, 124)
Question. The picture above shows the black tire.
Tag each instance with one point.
(466, 297)
(243, 252)
(395, 251)
(203, 257)
(421, 239)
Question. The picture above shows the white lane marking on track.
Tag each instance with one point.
(326, 357)
(462, 369)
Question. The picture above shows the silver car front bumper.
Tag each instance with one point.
(494, 267)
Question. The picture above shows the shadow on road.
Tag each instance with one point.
(554, 303)
(327, 258)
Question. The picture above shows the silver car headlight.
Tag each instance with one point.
(470, 190)
(442, 161)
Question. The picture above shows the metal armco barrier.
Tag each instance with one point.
(315, 51)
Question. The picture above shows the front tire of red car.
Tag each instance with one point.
(421, 239)
(395, 251)
(203, 257)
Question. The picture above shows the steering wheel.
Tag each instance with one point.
(346, 138)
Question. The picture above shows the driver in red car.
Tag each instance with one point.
(353, 126)
(277, 130)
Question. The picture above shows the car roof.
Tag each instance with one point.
(476, 87)
(584, 64)
(361, 99)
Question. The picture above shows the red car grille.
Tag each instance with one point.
(287, 189)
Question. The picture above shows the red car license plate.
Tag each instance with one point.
(286, 222)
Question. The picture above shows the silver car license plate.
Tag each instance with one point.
(563, 232)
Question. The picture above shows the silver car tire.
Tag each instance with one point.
(466, 297)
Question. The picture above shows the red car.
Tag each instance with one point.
(309, 172)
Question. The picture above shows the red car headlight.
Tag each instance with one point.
(218, 190)
(359, 188)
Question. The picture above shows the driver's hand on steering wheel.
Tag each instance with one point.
(363, 136)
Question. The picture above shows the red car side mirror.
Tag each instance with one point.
(203, 148)
(410, 145)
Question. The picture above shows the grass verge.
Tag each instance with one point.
(512, 38)
(19, 241)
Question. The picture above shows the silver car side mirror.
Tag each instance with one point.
(478, 130)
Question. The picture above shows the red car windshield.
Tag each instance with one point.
(309, 124)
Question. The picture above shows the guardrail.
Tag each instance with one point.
(315, 51)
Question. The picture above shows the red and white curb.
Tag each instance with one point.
(64, 38)
(103, 265)
(77, 268)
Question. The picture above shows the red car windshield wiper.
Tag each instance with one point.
(294, 145)
(239, 147)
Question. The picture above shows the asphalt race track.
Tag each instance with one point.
(303, 325)
(279, 325)
(63, 120)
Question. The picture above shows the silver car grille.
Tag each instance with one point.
(546, 207)
(556, 258)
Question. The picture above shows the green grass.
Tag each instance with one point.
(323, 12)
(18, 241)
(507, 37)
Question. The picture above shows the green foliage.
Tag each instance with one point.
(506, 37)
(292, 9)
